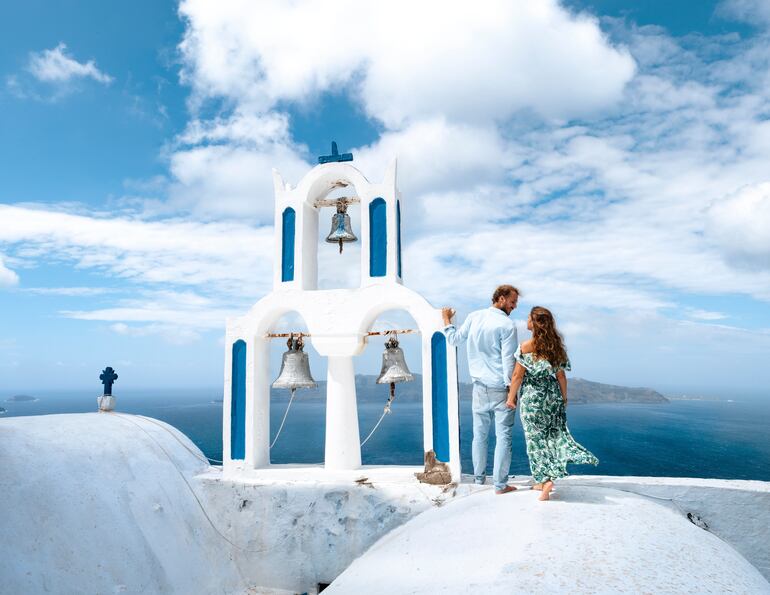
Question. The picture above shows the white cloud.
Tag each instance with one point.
(229, 180)
(7, 276)
(756, 12)
(171, 333)
(182, 252)
(69, 291)
(699, 314)
(405, 61)
(55, 66)
(740, 224)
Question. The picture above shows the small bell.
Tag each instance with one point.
(394, 368)
(295, 367)
(341, 230)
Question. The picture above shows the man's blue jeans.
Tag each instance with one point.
(488, 403)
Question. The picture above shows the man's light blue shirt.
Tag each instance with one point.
(492, 341)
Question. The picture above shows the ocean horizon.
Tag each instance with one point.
(720, 439)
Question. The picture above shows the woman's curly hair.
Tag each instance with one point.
(547, 342)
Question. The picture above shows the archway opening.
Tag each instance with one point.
(302, 426)
(399, 438)
(339, 270)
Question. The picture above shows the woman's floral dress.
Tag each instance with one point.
(550, 446)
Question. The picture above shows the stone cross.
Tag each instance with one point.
(108, 377)
(335, 156)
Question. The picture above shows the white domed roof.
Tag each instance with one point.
(586, 540)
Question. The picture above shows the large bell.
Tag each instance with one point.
(295, 367)
(394, 368)
(341, 231)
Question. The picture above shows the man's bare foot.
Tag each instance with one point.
(547, 487)
(505, 490)
(538, 486)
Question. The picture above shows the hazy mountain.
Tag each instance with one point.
(20, 399)
(580, 391)
(585, 391)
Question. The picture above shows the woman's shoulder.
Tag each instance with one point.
(527, 346)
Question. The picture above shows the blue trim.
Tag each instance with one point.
(440, 396)
(398, 235)
(378, 238)
(238, 402)
(288, 220)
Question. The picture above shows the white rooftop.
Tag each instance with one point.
(585, 540)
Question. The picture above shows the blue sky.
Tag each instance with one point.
(610, 158)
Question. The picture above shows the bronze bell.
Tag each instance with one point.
(341, 231)
(295, 367)
(394, 368)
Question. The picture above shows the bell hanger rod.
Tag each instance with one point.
(333, 202)
(408, 331)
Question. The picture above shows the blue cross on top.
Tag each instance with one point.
(108, 377)
(335, 156)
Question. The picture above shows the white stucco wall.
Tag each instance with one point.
(110, 503)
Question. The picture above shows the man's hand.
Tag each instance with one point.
(511, 403)
(447, 313)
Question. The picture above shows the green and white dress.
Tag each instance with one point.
(550, 446)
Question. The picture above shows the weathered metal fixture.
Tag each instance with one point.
(394, 368)
(294, 374)
(295, 367)
(341, 231)
(335, 156)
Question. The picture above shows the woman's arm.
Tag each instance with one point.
(561, 378)
(513, 391)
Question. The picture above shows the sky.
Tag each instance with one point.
(609, 158)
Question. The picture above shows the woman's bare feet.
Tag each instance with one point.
(547, 487)
(538, 486)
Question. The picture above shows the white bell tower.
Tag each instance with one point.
(338, 323)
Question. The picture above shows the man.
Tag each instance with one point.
(492, 341)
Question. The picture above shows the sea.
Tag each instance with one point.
(684, 438)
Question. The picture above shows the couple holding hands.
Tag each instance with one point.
(507, 375)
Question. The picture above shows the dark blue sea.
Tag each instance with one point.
(714, 439)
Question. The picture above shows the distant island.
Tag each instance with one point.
(580, 392)
(21, 399)
(2, 410)
(585, 391)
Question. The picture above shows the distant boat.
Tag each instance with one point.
(2, 410)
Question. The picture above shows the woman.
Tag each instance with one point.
(540, 365)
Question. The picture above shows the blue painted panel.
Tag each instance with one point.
(398, 234)
(238, 402)
(440, 396)
(378, 238)
(287, 239)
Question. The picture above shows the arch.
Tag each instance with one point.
(321, 180)
(440, 396)
(378, 238)
(288, 227)
(238, 402)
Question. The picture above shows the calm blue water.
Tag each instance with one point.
(683, 438)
